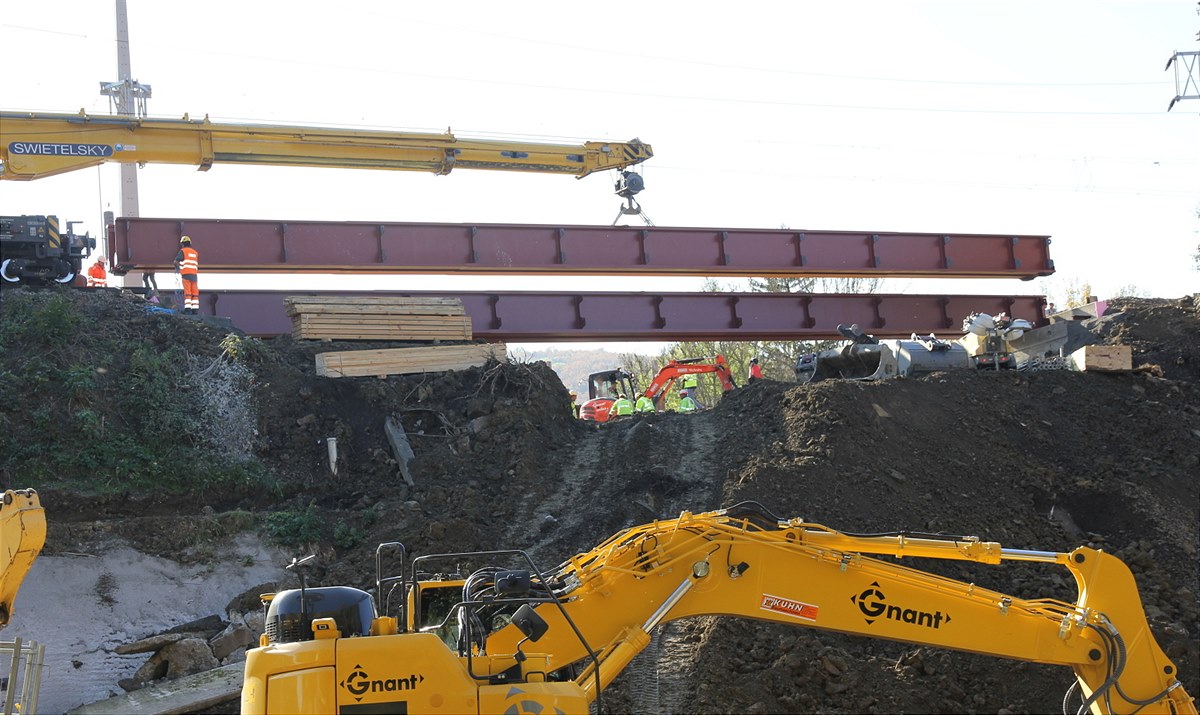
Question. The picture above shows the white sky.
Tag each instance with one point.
(1044, 117)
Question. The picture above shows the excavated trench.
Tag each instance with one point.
(1048, 460)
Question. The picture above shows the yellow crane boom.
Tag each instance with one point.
(37, 145)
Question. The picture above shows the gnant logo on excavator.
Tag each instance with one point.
(873, 604)
(358, 683)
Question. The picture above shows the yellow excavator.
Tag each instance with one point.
(22, 536)
(499, 638)
(37, 145)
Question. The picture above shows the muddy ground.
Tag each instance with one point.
(1046, 460)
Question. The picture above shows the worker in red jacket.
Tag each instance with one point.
(187, 262)
(755, 370)
(97, 276)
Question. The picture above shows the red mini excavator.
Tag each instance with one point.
(603, 387)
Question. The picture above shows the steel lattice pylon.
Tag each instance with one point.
(1187, 76)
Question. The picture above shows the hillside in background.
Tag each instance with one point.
(574, 366)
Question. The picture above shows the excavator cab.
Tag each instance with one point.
(603, 389)
(432, 604)
(436, 654)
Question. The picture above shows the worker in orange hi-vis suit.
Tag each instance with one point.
(97, 276)
(187, 262)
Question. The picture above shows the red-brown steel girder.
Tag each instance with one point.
(150, 244)
(573, 316)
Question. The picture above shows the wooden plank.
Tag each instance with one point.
(406, 361)
(305, 327)
(385, 367)
(1103, 358)
(385, 370)
(445, 331)
(444, 354)
(408, 337)
(409, 353)
(338, 309)
(418, 365)
(344, 319)
(402, 368)
(385, 332)
(368, 300)
(183, 695)
(448, 321)
(389, 353)
(347, 321)
(414, 306)
(369, 310)
(417, 336)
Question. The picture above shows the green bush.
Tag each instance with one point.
(78, 382)
(346, 536)
(51, 324)
(295, 528)
(245, 350)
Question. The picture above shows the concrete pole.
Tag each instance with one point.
(127, 107)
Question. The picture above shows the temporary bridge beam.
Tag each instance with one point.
(234, 246)
(596, 316)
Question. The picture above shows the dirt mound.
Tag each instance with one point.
(1161, 332)
(1046, 461)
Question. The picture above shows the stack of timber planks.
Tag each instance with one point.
(406, 361)
(377, 318)
(1103, 358)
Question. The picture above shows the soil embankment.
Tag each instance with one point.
(1045, 460)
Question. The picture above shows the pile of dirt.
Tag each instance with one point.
(1161, 332)
(1046, 461)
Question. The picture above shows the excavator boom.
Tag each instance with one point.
(660, 386)
(37, 145)
(745, 562)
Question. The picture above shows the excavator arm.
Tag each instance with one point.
(744, 562)
(35, 145)
(660, 386)
(22, 535)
